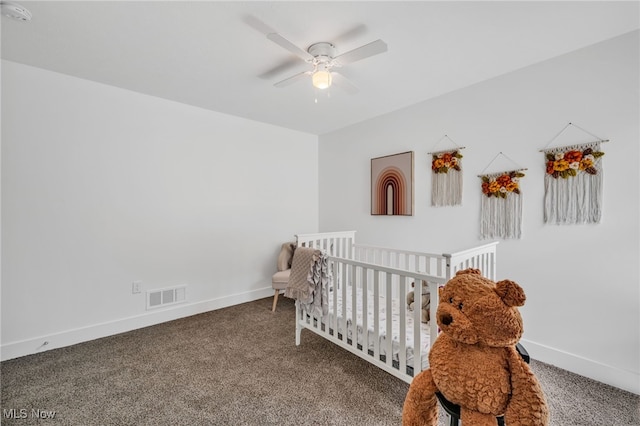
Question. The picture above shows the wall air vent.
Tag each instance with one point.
(166, 297)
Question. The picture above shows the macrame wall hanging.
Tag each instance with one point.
(573, 181)
(501, 206)
(446, 175)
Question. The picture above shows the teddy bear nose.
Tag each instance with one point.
(446, 319)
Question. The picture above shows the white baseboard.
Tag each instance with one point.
(71, 337)
(622, 379)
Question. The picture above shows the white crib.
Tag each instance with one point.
(368, 292)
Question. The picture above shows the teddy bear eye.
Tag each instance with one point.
(460, 305)
(451, 300)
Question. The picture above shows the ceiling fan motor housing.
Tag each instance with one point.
(323, 51)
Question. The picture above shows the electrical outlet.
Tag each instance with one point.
(136, 287)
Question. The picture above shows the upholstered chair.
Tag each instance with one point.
(281, 277)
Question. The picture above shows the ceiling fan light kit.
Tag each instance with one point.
(322, 56)
(321, 79)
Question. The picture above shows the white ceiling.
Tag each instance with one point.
(215, 55)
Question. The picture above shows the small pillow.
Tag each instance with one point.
(286, 256)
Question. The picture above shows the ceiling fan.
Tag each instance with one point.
(322, 57)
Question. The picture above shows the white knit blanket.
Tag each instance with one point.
(309, 281)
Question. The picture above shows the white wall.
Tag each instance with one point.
(103, 186)
(581, 281)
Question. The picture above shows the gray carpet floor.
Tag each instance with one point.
(240, 366)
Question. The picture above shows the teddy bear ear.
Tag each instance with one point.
(469, 271)
(510, 293)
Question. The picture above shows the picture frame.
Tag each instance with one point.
(392, 185)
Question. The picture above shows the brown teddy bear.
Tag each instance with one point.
(426, 301)
(473, 362)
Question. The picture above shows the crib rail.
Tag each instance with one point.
(428, 263)
(359, 282)
(440, 265)
(481, 257)
(338, 244)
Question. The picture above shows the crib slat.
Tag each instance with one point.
(440, 270)
(417, 332)
(354, 308)
(334, 308)
(365, 311)
(402, 336)
(299, 315)
(376, 315)
(345, 284)
(388, 341)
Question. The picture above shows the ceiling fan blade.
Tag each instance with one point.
(350, 34)
(257, 24)
(293, 79)
(362, 52)
(283, 42)
(344, 83)
(289, 65)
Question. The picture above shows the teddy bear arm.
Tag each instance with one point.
(420, 405)
(527, 405)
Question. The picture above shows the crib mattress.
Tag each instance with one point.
(395, 325)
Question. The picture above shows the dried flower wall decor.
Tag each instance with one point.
(501, 202)
(501, 185)
(568, 162)
(442, 162)
(446, 176)
(573, 182)
(501, 206)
